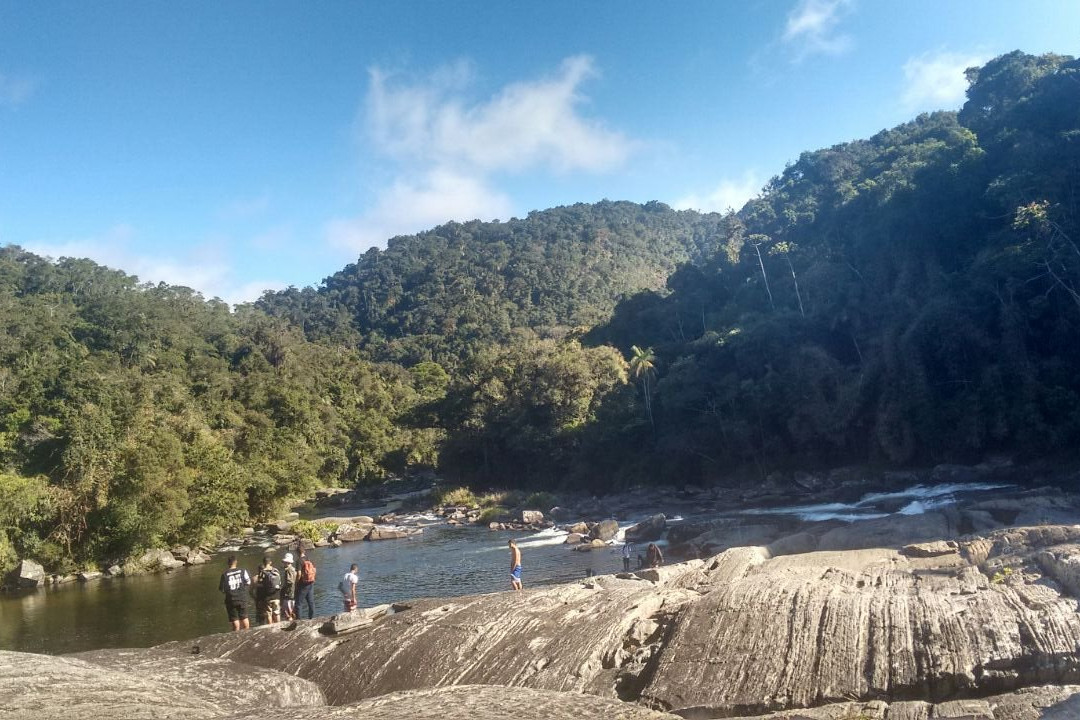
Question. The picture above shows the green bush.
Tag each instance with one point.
(314, 530)
(456, 496)
(492, 514)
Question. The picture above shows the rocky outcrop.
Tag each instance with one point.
(604, 530)
(532, 517)
(476, 702)
(389, 533)
(1037, 703)
(742, 633)
(38, 686)
(350, 532)
(647, 530)
(152, 561)
(227, 685)
(26, 575)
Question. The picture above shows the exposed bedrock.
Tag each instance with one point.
(41, 686)
(740, 634)
(975, 627)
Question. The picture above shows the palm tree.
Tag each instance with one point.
(643, 368)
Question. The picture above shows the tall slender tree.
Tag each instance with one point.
(643, 369)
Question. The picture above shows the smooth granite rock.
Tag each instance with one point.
(986, 631)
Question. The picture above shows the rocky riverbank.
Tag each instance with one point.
(720, 517)
(981, 626)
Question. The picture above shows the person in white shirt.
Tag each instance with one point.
(348, 588)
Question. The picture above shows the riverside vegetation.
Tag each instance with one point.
(909, 298)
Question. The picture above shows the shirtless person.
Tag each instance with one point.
(515, 565)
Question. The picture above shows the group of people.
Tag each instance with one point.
(653, 557)
(281, 594)
(278, 594)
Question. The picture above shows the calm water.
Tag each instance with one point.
(444, 561)
(147, 610)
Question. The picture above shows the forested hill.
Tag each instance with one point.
(437, 294)
(909, 298)
(913, 297)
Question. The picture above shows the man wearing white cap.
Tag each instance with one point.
(288, 588)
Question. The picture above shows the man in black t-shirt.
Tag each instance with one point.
(235, 583)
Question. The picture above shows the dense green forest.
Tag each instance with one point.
(909, 298)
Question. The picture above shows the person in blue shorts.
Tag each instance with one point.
(515, 565)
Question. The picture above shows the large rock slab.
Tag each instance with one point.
(742, 633)
(806, 630)
(475, 702)
(570, 638)
(228, 686)
(1048, 702)
(40, 686)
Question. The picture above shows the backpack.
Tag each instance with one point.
(271, 581)
(307, 572)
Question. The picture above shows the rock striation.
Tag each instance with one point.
(981, 627)
(742, 633)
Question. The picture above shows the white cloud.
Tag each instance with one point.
(812, 28)
(935, 80)
(203, 269)
(15, 89)
(524, 125)
(728, 195)
(408, 206)
(446, 150)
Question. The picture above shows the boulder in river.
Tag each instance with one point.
(151, 561)
(532, 517)
(352, 533)
(605, 530)
(574, 539)
(27, 574)
(647, 530)
(385, 533)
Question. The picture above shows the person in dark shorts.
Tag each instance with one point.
(234, 584)
(305, 586)
(515, 565)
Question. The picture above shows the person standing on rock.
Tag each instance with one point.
(267, 593)
(653, 557)
(234, 584)
(348, 587)
(305, 586)
(627, 553)
(515, 565)
(288, 588)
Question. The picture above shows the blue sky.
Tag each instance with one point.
(238, 146)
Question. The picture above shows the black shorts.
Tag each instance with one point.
(237, 609)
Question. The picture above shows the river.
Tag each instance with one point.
(150, 609)
(443, 561)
